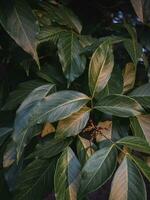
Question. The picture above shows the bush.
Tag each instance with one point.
(75, 103)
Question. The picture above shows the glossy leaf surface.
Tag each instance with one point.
(67, 176)
(128, 183)
(100, 68)
(97, 170)
(119, 105)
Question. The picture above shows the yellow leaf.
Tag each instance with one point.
(48, 129)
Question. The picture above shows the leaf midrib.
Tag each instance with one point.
(19, 20)
(74, 100)
(79, 117)
(100, 70)
(42, 175)
(99, 167)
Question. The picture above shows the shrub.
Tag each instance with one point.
(81, 114)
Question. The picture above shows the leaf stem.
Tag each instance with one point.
(113, 142)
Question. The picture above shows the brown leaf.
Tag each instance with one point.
(48, 129)
(138, 7)
(106, 129)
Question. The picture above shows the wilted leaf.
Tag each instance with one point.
(128, 183)
(67, 176)
(100, 68)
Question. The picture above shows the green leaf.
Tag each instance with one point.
(115, 83)
(43, 20)
(142, 95)
(21, 132)
(85, 149)
(35, 180)
(54, 107)
(74, 124)
(4, 190)
(120, 128)
(52, 74)
(60, 105)
(67, 176)
(100, 68)
(129, 76)
(132, 46)
(141, 126)
(128, 183)
(19, 22)
(17, 96)
(50, 33)
(132, 51)
(97, 170)
(136, 128)
(86, 40)
(51, 148)
(62, 16)
(145, 169)
(35, 96)
(73, 64)
(119, 105)
(4, 133)
(94, 45)
(136, 143)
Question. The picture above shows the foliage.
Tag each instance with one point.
(74, 112)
